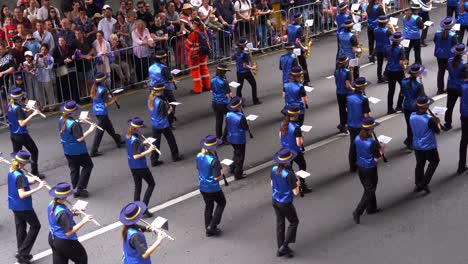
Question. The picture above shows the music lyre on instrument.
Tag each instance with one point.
(84, 117)
(146, 140)
(157, 230)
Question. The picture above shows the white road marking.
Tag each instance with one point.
(192, 194)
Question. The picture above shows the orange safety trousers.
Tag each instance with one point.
(200, 73)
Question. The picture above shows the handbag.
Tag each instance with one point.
(61, 71)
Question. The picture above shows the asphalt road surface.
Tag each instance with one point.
(410, 229)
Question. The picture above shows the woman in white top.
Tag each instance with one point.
(142, 42)
(31, 11)
(243, 9)
(205, 10)
(103, 49)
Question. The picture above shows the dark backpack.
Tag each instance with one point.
(205, 48)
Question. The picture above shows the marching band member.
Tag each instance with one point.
(160, 72)
(19, 134)
(464, 122)
(411, 89)
(341, 17)
(135, 247)
(455, 81)
(395, 70)
(221, 94)
(369, 152)
(291, 138)
(444, 40)
(244, 70)
(343, 89)
(358, 109)
(237, 126)
(382, 35)
(159, 110)
(210, 172)
(453, 8)
(296, 35)
(74, 147)
(136, 155)
(285, 186)
(462, 19)
(294, 92)
(287, 61)
(63, 239)
(424, 127)
(424, 17)
(412, 24)
(375, 9)
(348, 44)
(100, 95)
(197, 47)
(20, 202)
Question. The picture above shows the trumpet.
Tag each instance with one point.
(158, 231)
(252, 62)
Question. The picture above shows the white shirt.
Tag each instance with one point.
(242, 7)
(106, 25)
(205, 11)
(46, 38)
(43, 13)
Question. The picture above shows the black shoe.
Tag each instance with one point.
(305, 188)
(375, 211)
(408, 144)
(426, 189)
(371, 59)
(157, 163)
(257, 102)
(399, 109)
(77, 194)
(352, 169)
(172, 127)
(356, 218)
(441, 92)
(417, 189)
(23, 260)
(193, 92)
(380, 80)
(83, 193)
(213, 231)
(147, 214)
(423, 44)
(120, 143)
(285, 251)
(178, 158)
(95, 154)
(391, 111)
(243, 176)
(205, 89)
(461, 170)
(447, 127)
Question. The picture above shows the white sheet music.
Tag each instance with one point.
(297, 52)
(428, 23)
(234, 84)
(159, 222)
(117, 91)
(308, 88)
(405, 43)
(31, 104)
(353, 62)
(393, 21)
(175, 103)
(175, 71)
(456, 27)
(303, 174)
(357, 27)
(80, 205)
(150, 140)
(306, 128)
(384, 139)
(355, 7)
(439, 110)
(309, 23)
(374, 100)
(251, 117)
(227, 162)
(84, 115)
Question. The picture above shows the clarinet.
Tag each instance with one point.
(248, 127)
(113, 96)
(226, 183)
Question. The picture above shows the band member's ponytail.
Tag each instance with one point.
(456, 61)
(365, 134)
(284, 126)
(93, 92)
(131, 131)
(53, 206)
(124, 232)
(279, 169)
(445, 34)
(65, 117)
(15, 165)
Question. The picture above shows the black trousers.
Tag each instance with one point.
(461, 34)
(452, 97)
(424, 18)
(380, 59)
(169, 96)
(303, 62)
(342, 100)
(213, 220)
(422, 178)
(138, 176)
(141, 68)
(416, 45)
(409, 131)
(106, 124)
(442, 63)
(369, 178)
(25, 140)
(64, 250)
(371, 40)
(75, 162)
(463, 142)
(353, 132)
(238, 158)
(220, 111)
(452, 10)
(25, 240)
(241, 76)
(171, 141)
(285, 211)
(393, 78)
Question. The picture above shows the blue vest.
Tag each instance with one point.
(410, 28)
(423, 136)
(443, 46)
(382, 40)
(410, 89)
(158, 121)
(455, 79)
(281, 191)
(365, 158)
(206, 180)
(236, 134)
(292, 33)
(291, 90)
(286, 62)
(71, 146)
(289, 140)
(15, 203)
(13, 123)
(340, 19)
(54, 227)
(135, 163)
(393, 58)
(219, 94)
(340, 80)
(464, 100)
(354, 106)
(463, 18)
(155, 75)
(130, 255)
(240, 61)
(345, 44)
(99, 105)
(373, 18)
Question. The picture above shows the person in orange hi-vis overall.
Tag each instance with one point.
(198, 48)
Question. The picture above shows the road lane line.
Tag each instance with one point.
(194, 193)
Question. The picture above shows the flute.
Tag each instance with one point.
(83, 213)
(91, 123)
(151, 144)
(40, 113)
(157, 230)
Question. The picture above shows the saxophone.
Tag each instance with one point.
(252, 62)
(309, 43)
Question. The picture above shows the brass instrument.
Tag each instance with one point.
(252, 62)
